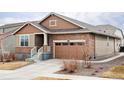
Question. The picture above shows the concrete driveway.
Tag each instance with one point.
(44, 68)
(31, 71)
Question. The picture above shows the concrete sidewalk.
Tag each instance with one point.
(31, 71)
(109, 59)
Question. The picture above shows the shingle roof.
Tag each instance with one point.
(12, 25)
(15, 24)
(89, 27)
(85, 27)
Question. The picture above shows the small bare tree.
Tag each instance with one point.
(86, 56)
(4, 56)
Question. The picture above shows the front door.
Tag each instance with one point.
(39, 40)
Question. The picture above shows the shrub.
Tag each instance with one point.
(7, 57)
(12, 56)
(86, 56)
(70, 66)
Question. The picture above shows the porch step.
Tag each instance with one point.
(34, 58)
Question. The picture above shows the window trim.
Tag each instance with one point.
(55, 23)
(24, 36)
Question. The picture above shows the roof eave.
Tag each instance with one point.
(106, 35)
(30, 24)
(62, 18)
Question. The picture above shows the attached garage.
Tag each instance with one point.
(68, 49)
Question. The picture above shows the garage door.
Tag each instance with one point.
(69, 50)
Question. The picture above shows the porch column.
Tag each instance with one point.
(45, 40)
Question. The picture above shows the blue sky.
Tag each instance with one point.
(95, 18)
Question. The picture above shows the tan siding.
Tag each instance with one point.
(111, 46)
(117, 43)
(101, 47)
(28, 29)
(61, 24)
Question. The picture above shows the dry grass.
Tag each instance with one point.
(13, 65)
(118, 69)
(48, 78)
(115, 72)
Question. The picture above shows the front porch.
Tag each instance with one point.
(41, 49)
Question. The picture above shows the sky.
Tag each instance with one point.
(94, 18)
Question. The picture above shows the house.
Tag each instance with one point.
(61, 37)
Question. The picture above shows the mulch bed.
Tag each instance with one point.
(97, 68)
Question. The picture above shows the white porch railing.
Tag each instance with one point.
(37, 55)
(33, 51)
(40, 50)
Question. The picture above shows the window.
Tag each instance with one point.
(24, 40)
(64, 44)
(52, 22)
(72, 43)
(80, 43)
(58, 44)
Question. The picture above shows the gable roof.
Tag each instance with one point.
(86, 28)
(34, 24)
(73, 21)
(95, 29)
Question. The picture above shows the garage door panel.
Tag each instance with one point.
(69, 51)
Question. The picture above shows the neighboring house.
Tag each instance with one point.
(63, 37)
(9, 43)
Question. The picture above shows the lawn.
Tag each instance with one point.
(48, 78)
(115, 72)
(13, 65)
